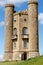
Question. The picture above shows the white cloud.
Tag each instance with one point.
(15, 1)
(40, 18)
(1, 57)
(3, 2)
(1, 23)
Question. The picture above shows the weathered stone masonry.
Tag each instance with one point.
(21, 32)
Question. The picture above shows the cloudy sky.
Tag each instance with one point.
(20, 5)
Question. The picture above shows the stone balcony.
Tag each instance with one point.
(14, 37)
(25, 36)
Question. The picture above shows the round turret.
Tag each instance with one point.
(9, 9)
(33, 28)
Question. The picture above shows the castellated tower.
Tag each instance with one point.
(9, 8)
(33, 28)
(21, 32)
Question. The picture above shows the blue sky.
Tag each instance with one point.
(21, 5)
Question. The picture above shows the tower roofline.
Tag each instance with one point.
(25, 12)
(9, 5)
(33, 3)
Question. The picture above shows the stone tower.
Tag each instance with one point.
(21, 32)
(9, 8)
(33, 28)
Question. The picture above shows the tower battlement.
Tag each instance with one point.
(9, 5)
(25, 12)
(33, 2)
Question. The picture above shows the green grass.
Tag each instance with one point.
(32, 61)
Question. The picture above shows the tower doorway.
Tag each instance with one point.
(24, 56)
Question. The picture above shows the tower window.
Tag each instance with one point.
(25, 20)
(14, 20)
(19, 14)
(24, 31)
(14, 31)
(25, 43)
(14, 45)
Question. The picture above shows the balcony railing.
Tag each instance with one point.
(25, 36)
(14, 37)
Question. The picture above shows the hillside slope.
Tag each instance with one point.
(32, 61)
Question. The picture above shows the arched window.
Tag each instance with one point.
(14, 44)
(24, 43)
(24, 31)
(14, 31)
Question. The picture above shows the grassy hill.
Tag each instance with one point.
(32, 61)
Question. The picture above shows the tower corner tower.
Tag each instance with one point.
(8, 46)
(33, 28)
